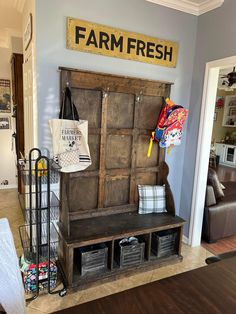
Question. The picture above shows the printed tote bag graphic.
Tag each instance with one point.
(70, 138)
(70, 144)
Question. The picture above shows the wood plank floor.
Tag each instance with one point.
(226, 173)
(221, 246)
(210, 289)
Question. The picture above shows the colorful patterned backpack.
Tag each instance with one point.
(169, 126)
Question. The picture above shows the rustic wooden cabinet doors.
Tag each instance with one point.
(121, 114)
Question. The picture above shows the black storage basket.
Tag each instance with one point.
(93, 259)
(164, 243)
(129, 255)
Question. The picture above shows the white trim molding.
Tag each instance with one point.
(203, 147)
(8, 186)
(192, 7)
(185, 240)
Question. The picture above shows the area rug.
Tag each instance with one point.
(221, 246)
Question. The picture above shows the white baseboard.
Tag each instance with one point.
(9, 186)
(185, 240)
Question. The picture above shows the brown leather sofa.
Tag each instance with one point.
(2, 311)
(220, 219)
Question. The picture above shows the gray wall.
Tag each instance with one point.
(215, 40)
(133, 15)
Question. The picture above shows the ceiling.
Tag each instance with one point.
(13, 4)
(11, 14)
(195, 7)
(10, 20)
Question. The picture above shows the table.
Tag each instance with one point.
(209, 289)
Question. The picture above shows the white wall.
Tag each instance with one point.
(7, 156)
(29, 79)
(133, 15)
(16, 44)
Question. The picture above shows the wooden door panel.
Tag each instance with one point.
(94, 147)
(145, 179)
(142, 147)
(120, 113)
(150, 107)
(88, 104)
(117, 191)
(83, 193)
(118, 151)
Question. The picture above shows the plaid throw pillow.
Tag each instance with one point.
(152, 199)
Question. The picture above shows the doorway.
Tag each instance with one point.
(204, 142)
(18, 109)
(11, 91)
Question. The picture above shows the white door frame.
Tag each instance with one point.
(203, 148)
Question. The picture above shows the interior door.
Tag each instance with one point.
(18, 105)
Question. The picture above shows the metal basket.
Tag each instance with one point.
(130, 254)
(28, 236)
(39, 238)
(93, 258)
(30, 209)
(29, 174)
(54, 177)
(164, 243)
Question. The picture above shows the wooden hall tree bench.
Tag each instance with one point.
(108, 229)
(99, 205)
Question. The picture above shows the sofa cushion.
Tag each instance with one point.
(215, 183)
(222, 186)
(210, 196)
(220, 219)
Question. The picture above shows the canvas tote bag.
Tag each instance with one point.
(70, 137)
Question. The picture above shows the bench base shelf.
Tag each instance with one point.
(100, 230)
(118, 273)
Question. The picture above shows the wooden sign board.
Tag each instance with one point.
(99, 39)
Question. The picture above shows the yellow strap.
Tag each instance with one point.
(169, 149)
(150, 145)
(169, 102)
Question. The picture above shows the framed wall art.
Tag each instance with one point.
(5, 123)
(232, 111)
(5, 96)
(215, 116)
(219, 102)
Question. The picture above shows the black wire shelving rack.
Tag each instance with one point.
(39, 237)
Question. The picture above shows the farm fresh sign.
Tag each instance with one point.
(95, 38)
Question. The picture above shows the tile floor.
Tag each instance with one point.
(10, 209)
(193, 258)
